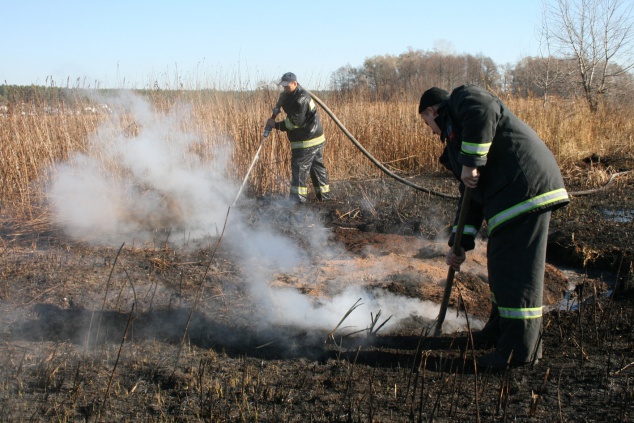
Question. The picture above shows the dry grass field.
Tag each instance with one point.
(34, 142)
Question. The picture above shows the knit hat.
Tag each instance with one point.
(431, 97)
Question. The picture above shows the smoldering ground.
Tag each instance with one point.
(152, 184)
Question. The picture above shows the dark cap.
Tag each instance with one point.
(431, 97)
(287, 78)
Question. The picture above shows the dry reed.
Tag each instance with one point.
(33, 143)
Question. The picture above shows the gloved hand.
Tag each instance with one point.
(270, 123)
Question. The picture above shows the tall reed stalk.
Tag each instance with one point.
(33, 142)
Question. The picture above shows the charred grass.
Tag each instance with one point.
(136, 373)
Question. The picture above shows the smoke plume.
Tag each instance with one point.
(132, 183)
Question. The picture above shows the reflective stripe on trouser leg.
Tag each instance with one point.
(319, 174)
(301, 163)
(516, 256)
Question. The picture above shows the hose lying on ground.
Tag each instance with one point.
(423, 189)
(601, 188)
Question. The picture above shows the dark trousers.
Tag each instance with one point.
(516, 256)
(308, 163)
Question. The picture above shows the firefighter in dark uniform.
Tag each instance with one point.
(516, 183)
(306, 135)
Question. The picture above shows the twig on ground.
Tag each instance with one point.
(618, 372)
(43, 292)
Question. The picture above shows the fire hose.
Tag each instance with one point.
(372, 159)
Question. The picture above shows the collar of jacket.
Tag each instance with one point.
(441, 120)
(295, 93)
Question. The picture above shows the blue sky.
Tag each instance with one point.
(129, 44)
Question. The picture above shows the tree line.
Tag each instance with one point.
(587, 54)
(409, 74)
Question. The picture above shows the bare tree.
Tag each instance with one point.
(550, 74)
(481, 70)
(544, 77)
(596, 34)
(345, 78)
(382, 72)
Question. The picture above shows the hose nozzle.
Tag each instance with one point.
(267, 128)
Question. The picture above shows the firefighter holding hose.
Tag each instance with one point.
(515, 184)
(306, 135)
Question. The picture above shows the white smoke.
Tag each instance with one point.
(150, 176)
(288, 304)
(134, 181)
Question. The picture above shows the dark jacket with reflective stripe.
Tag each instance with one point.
(302, 121)
(518, 173)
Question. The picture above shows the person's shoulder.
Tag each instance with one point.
(302, 95)
(466, 88)
(472, 94)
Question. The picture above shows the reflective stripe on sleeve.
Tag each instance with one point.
(289, 125)
(475, 149)
(467, 230)
(526, 206)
